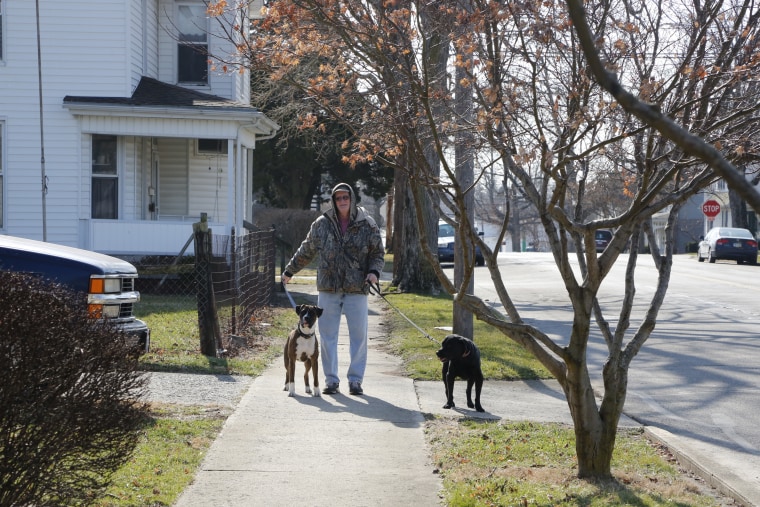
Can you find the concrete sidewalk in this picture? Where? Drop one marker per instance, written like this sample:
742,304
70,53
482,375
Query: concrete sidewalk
337,450
370,450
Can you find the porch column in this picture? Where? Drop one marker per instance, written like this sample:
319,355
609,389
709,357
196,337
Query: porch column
231,192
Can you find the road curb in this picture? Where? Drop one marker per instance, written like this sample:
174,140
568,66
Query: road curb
688,460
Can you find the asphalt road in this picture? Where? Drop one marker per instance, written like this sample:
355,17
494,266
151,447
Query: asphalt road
698,375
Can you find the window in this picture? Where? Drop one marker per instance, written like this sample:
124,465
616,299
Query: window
105,179
192,46
212,146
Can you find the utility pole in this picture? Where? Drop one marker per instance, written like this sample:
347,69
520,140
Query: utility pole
464,161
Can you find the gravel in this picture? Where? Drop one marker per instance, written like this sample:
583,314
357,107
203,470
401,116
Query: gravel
196,389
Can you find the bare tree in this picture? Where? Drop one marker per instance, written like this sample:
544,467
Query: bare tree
542,110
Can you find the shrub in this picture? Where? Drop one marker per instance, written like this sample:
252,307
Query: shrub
290,225
70,396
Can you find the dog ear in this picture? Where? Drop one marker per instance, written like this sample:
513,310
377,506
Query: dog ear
468,347
319,311
298,309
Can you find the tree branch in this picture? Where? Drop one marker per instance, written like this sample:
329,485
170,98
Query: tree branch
651,115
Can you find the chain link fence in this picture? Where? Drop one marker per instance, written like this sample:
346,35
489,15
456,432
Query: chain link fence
243,273
229,280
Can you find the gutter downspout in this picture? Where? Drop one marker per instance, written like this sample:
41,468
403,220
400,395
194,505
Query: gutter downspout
42,131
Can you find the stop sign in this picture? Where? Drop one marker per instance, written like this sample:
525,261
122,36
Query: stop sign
711,208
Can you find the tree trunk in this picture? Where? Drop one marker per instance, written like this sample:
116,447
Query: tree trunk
595,426
738,209
594,435
411,270
389,223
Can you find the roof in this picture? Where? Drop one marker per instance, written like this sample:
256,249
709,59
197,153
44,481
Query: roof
177,108
152,92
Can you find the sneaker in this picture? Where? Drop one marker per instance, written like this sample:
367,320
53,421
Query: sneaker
355,388
331,389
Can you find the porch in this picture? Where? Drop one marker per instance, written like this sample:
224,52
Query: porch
151,164
143,237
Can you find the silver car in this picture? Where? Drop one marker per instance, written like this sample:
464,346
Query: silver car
728,243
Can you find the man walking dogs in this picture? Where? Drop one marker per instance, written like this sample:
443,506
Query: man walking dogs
351,253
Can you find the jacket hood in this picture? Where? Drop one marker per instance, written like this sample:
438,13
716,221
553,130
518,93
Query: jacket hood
344,187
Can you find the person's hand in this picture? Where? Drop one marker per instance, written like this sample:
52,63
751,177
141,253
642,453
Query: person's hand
285,278
372,279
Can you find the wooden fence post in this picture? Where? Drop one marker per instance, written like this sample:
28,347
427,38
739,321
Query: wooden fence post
208,321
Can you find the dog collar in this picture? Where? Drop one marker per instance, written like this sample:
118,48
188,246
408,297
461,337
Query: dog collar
304,333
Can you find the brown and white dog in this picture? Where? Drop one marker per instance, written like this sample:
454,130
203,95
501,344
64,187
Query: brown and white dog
302,345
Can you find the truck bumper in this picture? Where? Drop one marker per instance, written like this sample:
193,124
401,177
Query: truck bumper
138,333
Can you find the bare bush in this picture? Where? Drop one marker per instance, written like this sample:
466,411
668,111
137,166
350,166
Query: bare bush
69,394
290,225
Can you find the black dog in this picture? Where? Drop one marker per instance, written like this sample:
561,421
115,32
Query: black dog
302,345
461,358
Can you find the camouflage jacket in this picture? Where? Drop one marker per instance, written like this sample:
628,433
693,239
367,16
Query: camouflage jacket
344,259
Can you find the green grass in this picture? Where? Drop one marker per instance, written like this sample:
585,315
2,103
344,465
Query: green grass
502,359
175,343
524,463
164,462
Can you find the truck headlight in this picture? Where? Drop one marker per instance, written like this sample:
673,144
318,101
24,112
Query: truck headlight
105,285
104,311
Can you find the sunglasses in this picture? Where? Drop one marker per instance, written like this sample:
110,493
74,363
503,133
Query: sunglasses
339,198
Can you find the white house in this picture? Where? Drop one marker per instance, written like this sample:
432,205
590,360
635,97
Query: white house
140,134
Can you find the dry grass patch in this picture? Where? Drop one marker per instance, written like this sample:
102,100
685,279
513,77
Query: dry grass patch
486,463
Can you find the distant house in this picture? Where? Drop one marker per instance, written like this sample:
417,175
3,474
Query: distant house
141,134
688,228
718,192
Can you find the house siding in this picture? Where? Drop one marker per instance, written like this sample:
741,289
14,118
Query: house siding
209,172
157,126
130,179
142,37
219,83
172,190
93,50
151,37
62,71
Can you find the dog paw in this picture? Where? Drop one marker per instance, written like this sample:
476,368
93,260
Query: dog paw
291,390
308,390
479,408
448,405
470,404
316,392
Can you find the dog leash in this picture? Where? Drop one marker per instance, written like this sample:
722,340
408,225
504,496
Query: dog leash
375,290
290,298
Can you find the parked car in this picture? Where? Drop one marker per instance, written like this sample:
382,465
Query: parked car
107,282
728,243
602,238
446,245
